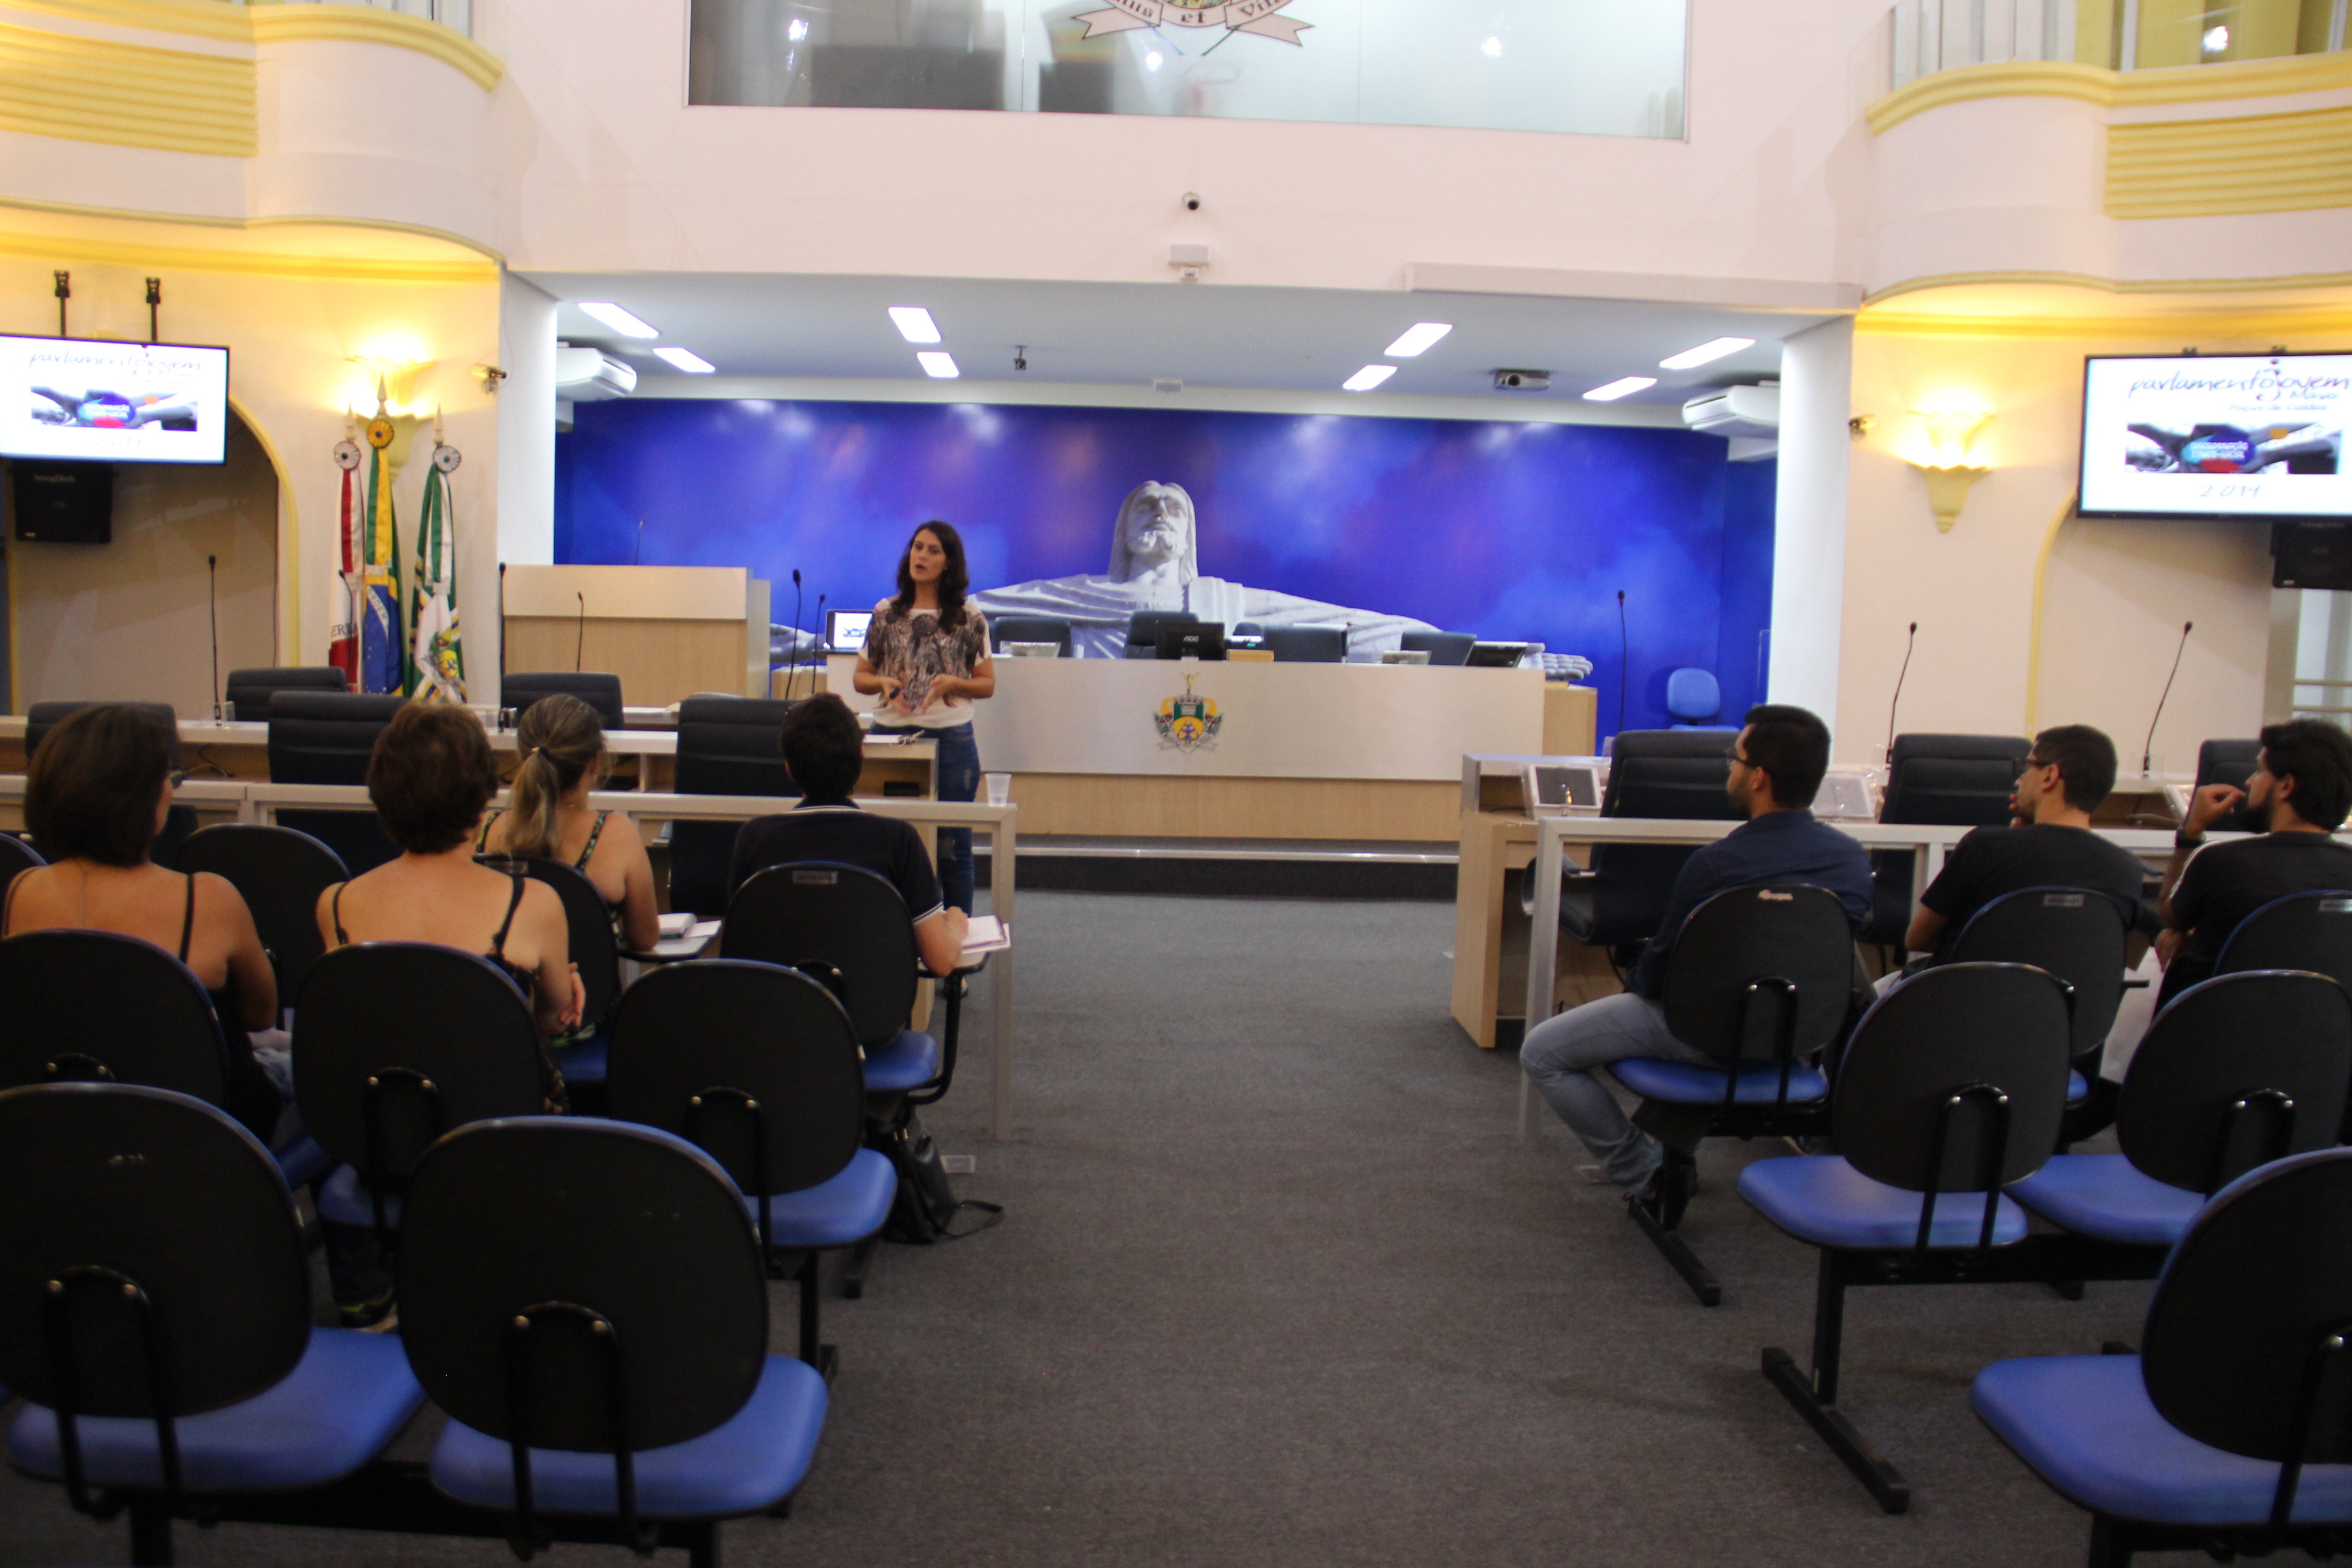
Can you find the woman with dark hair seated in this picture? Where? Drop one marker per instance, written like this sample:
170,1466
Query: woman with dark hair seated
99,787
563,760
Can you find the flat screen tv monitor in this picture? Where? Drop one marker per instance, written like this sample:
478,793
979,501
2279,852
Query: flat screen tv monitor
2257,436
86,401
1191,639
844,630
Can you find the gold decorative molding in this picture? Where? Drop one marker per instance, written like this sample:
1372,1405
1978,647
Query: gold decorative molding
2112,88
57,84
2250,317
2242,163
273,23
256,263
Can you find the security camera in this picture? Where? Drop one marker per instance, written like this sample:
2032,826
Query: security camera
1191,201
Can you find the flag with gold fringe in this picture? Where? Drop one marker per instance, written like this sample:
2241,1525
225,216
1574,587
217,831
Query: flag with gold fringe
436,659
343,610
383,649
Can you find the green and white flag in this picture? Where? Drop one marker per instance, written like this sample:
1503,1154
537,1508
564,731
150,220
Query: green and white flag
437,658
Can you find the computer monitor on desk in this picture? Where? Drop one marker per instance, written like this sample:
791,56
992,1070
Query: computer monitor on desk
1199,639
1563,789
844,630
1495,655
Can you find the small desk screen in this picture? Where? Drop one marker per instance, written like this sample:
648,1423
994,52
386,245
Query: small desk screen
844,630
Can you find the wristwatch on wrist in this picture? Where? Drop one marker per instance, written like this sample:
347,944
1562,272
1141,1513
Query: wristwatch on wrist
2186,841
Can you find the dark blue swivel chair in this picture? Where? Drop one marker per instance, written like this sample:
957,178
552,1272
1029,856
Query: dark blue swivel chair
1053,630
2230,1432
249,691
178,823
519,690
757,1065
1443,648
726,745
2079,935
1962,781
1951,1089
587,1301
1693,697
2228,763
327,738
1143,630
588,920
2302,931
155,1313
1674,774
1308,644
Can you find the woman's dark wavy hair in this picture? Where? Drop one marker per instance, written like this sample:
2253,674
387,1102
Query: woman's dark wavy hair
954,580
94,780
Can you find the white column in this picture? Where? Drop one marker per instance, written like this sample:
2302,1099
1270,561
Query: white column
1809,517
526,459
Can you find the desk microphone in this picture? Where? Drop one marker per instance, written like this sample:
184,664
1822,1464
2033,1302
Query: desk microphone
212,592
816,662
1624,657
793,655
638,555
580,642
1907,644
2148,751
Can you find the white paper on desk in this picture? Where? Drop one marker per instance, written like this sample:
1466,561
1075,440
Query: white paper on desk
703,931
986,934
678,924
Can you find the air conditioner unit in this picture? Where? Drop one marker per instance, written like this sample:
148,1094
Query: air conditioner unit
591,375
1751,411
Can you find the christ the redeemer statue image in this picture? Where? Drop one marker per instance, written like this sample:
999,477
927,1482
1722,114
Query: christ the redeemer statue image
1155,566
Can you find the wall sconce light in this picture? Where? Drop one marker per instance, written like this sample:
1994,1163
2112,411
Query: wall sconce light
1949,473
395,380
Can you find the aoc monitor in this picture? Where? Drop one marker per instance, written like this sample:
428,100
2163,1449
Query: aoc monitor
1191,639
81,400
844,630
2252,436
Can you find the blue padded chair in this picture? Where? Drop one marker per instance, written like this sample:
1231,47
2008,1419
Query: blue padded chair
520,689
587,1301
155,1313
726,745
588,919
1443,648
1308,644
2302,931
1053,630
327,738
279,872
1143,630
1958,781
1675,774
2231,1430
1951,1089
2235,1072
1693,697
2078,934
1759,978
757,1065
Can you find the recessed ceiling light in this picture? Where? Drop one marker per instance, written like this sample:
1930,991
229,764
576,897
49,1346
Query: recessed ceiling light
618,319
1713,348
1492,49
685,359
914,324
939,365
1619,388
1418,339
1370,377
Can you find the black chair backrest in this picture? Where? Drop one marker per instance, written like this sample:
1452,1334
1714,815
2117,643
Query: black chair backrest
2235,1330
96,1004
279,872
103,1184
1962,781
2235,1072
1443,648
43,717
444,1037
519,689
833,921
15,856
2302,931
550,1220
1675,774
726,745
2076,933
1965,1032
752,1063
1760,973
1143,626
1308,644
2228,763
589,920
1030,628
325,737
249,691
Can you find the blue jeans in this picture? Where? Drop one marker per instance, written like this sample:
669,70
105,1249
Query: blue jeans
1560,1054
957,772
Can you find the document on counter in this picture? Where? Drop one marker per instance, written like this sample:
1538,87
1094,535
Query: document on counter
686,940
985,934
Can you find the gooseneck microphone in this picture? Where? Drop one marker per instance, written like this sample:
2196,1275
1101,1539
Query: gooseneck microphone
637,557
1625,658
2148,751
212,592
817,660
580,641
792,655
1909,642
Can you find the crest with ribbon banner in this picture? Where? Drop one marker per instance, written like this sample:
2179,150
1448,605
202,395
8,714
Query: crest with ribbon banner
1187,723
1262,17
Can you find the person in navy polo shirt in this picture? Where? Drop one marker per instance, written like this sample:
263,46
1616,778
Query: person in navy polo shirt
1777,765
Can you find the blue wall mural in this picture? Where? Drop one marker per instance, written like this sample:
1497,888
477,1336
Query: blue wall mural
1509,531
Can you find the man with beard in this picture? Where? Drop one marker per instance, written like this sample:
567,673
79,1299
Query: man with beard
2296,799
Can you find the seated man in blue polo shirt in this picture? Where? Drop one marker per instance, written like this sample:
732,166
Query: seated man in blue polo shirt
1777,765
824,751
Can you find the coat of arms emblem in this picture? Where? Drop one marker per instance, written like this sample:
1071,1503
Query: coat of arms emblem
1262,17
1187,723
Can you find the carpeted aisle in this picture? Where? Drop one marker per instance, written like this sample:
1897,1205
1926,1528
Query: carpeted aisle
1278,1286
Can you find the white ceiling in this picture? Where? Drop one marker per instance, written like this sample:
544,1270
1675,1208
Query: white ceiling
802,328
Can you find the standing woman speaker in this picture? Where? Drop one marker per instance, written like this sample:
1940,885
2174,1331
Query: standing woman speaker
926,656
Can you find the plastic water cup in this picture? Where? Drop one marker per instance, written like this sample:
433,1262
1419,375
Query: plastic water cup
1000,787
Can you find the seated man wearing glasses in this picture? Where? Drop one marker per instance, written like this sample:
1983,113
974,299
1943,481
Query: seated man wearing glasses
1777,765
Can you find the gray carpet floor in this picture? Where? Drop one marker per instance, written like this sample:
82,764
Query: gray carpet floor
1277,1284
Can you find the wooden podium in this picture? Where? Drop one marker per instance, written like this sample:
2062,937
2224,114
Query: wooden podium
667,631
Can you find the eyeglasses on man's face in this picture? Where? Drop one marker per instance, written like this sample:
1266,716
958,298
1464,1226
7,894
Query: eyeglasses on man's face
1731,754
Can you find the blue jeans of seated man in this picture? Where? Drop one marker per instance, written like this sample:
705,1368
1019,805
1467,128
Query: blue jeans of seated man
957,777
1560,1054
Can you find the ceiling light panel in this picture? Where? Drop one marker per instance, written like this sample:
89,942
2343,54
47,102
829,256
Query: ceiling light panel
1622,386
939,364
914,324
685,359
620,321
1418,339
1706,352
1370,377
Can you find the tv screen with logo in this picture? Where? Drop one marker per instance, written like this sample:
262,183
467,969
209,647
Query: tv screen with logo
86,400
2255,436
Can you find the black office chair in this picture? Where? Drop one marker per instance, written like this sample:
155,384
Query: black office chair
757,1065
1760,979
155,1314
326,737
1308,645
2228,763
179,822
1031,628
249,691
726,745
15,857
1960,781
279,872
587,1301
1951,1089
2240,1360
2302,931
2078,934
1443,648
1675,774
519,690
588,919
1143,630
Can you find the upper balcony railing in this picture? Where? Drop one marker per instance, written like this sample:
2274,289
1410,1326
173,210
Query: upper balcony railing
1928,36
453,14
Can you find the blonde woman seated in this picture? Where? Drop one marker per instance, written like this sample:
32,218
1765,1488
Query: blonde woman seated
99,787
564,759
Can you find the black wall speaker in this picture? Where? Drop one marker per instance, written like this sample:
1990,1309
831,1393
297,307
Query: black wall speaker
64,504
